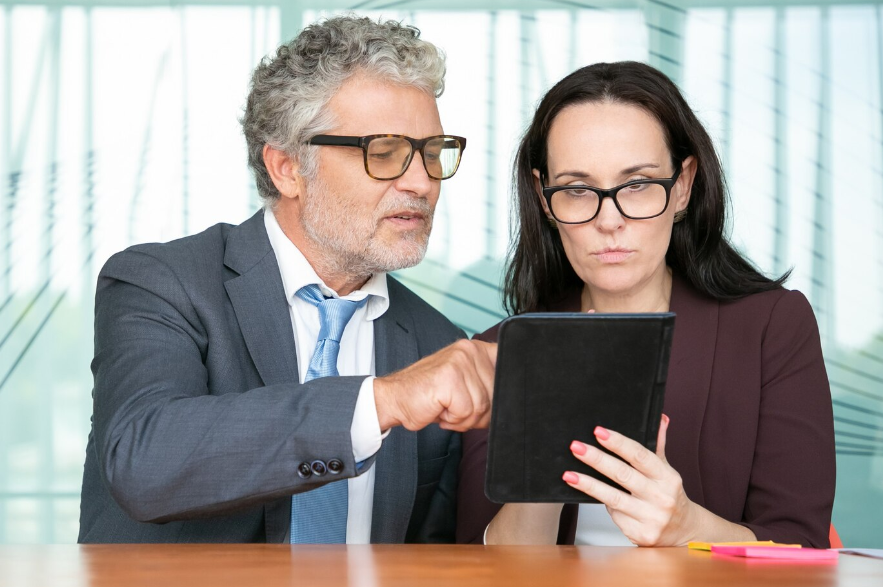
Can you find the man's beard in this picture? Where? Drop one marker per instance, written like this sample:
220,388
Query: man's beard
348,242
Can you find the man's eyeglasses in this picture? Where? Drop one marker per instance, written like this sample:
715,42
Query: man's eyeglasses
638,200
388,156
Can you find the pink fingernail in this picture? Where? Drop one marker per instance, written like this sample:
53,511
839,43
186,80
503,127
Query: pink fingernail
602,433
578,448
571,477
667,419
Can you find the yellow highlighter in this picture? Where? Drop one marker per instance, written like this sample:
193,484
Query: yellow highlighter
707,545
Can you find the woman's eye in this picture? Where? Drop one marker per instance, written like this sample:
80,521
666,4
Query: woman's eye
576,192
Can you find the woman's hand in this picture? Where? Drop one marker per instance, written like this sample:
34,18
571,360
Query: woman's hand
656,511
525,523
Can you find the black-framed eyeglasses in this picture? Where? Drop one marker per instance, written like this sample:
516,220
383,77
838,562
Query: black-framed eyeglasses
640,199
388,156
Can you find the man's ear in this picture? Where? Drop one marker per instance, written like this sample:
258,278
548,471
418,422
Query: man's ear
284,171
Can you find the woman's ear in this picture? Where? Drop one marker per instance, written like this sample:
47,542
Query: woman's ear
538,189
284,171
684,186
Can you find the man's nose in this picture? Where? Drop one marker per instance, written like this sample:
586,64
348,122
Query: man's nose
415,179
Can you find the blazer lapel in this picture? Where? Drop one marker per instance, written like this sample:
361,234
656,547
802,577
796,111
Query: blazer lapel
689,380
395,481
258,299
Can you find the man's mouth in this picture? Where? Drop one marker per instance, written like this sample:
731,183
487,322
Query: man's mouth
406,218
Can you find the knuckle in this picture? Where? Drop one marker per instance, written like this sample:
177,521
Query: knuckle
462,347
642,457
624,474
668,503
678,483
673,487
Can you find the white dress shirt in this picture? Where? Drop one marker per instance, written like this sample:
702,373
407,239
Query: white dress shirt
595,526
356,357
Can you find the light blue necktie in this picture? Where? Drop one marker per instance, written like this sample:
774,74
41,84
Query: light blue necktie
319,516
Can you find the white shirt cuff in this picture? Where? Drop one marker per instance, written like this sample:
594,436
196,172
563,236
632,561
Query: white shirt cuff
365,430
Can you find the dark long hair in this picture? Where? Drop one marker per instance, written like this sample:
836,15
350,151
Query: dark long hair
538,272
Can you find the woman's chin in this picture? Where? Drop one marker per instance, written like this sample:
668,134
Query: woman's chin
613,280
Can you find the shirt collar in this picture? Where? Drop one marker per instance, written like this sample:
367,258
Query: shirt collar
297,272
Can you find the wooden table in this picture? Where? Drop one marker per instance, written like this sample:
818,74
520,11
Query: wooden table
369,566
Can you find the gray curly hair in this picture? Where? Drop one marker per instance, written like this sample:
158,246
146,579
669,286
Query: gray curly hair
289,93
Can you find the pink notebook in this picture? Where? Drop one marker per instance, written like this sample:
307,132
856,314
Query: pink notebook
774,552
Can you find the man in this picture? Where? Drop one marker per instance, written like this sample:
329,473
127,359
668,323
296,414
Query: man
232,398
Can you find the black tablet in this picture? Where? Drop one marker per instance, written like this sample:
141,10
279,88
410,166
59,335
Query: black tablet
557,377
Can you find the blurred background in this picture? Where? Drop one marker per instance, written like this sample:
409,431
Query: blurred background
118,125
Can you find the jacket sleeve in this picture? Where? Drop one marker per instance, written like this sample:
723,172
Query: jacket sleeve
167,449
791,488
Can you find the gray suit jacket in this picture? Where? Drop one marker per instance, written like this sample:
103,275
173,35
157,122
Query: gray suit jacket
199,422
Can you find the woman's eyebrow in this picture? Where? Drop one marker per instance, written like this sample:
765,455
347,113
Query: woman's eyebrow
584,175
635,168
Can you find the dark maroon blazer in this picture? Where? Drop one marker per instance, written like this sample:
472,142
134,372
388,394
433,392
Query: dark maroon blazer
752,427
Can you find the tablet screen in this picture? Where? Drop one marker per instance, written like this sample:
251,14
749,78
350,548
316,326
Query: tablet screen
557,377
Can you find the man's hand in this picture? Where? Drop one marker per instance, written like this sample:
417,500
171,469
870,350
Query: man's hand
452,387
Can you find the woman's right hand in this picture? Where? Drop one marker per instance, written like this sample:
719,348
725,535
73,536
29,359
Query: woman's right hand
525,523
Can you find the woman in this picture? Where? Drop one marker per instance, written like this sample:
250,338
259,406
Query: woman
621,206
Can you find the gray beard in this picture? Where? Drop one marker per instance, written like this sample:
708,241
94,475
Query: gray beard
348,244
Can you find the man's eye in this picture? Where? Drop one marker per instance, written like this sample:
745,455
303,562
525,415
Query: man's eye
381,155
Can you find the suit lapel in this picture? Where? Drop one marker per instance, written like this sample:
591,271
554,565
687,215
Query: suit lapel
258,299
689,380
395,481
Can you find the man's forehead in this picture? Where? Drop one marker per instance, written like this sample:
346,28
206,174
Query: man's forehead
369,105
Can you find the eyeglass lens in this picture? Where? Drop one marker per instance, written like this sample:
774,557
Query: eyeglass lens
389,157
637,201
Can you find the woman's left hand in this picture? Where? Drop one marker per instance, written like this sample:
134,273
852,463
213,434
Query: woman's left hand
656,511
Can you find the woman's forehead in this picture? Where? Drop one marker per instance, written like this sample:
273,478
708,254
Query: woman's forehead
606,136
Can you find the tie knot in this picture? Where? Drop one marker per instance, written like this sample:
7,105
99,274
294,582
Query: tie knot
334,313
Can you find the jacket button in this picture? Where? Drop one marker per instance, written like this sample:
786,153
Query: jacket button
304,471
335,466
318,468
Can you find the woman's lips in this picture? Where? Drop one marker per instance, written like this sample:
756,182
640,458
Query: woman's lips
613,255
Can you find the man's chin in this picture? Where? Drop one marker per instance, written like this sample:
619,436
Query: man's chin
401,255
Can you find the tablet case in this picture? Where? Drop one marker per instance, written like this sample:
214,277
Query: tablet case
557,377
